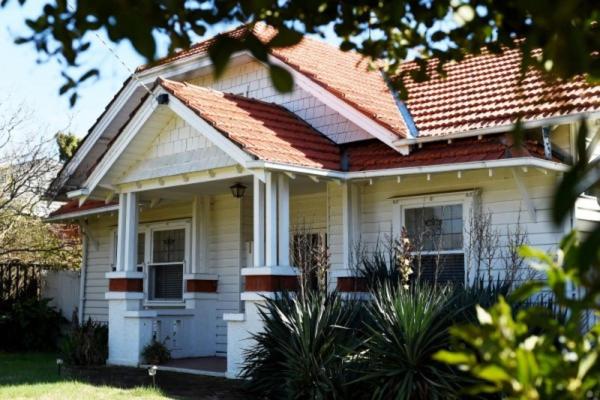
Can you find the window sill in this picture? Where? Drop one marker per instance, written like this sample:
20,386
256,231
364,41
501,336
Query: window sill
164,304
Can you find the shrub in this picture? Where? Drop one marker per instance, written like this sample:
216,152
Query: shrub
30,324
86,344
306,348
156,353
405,328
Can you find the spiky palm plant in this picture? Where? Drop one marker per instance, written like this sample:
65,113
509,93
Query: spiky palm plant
305,348
405,328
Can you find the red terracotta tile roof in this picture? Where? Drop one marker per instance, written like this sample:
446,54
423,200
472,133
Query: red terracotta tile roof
375,155
345,74
73,206
265,130
484,92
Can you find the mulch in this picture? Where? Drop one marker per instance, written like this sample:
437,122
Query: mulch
175,385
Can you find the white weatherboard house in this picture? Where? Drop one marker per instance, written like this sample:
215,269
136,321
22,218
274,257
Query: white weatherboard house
189,190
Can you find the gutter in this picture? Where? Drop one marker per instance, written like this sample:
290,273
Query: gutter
325,173
83,213
539,123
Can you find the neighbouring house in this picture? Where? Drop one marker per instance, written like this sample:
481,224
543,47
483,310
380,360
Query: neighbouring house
189,190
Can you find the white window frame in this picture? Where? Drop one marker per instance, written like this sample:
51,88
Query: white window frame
464,198
148,229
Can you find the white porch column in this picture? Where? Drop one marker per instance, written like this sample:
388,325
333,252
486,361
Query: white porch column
131,232
271,219
126,336
344,279
259,222
283,221
200,218
201,288
350,221
266,279
121,232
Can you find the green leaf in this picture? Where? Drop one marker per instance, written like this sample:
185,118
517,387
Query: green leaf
454,357
526,290
285,37
88,75
587,362
220,52
282,79
492,373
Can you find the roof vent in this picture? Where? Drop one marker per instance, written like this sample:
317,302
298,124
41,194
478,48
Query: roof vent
162,98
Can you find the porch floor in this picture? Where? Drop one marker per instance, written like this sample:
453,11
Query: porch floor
210,366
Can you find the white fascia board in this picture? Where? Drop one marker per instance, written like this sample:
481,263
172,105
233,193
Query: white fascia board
96,133
83,213
511,162
325,173
273,166
78,193
121,143
216,137
538,123
346,110
179,180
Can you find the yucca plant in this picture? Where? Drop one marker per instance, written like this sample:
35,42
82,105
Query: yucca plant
405,327
305,349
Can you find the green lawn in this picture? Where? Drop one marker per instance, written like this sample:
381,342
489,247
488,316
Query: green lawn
35,376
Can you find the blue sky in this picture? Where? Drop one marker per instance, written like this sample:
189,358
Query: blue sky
36,85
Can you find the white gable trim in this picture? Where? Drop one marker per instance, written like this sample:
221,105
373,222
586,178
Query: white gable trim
137,122
136,82
121,143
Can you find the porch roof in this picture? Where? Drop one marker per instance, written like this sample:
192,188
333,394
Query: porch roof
267,131
374,155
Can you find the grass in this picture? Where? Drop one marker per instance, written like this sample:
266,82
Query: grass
35,376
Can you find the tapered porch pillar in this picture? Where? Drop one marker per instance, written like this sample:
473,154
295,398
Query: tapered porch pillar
201,287
344,279
271,216
126,336
271,273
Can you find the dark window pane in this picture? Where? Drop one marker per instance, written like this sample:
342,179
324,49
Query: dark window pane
168,246
141,248
435,228
167,282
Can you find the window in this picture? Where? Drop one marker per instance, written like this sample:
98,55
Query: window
436,226
165,271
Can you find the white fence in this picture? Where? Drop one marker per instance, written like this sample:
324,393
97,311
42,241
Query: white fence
63,288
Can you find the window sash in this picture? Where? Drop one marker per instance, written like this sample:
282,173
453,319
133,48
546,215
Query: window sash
169,286
450,234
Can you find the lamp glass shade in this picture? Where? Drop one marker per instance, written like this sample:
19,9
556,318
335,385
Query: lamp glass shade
238,190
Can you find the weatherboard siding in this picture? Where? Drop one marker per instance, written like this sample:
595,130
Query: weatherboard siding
225,256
